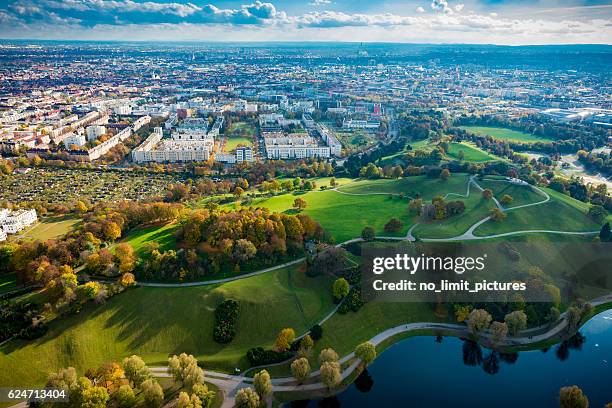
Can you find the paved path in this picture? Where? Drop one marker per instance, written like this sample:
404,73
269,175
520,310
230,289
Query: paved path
230,384
468,235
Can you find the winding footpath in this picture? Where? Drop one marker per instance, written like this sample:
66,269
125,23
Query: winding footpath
230,384
468,235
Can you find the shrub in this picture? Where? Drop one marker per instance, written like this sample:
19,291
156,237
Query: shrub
226,316
352,302
316,332
258,356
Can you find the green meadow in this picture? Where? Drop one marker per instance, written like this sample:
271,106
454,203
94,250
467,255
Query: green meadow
239,134
158,322
471,153
505,134
561,213
342,215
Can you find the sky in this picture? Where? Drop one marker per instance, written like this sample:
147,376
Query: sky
515,22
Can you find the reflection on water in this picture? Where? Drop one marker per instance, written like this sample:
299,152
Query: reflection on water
428,372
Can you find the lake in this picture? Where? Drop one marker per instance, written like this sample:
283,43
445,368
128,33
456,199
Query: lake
421,372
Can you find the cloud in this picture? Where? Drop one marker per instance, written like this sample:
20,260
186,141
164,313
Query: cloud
441,6
328,19
95,12
319,2
263,20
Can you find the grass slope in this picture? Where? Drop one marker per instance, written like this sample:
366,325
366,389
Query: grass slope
422,186
158,322
561,213
476,209
520,194
50,228
163,235
343,216
471,153
505,134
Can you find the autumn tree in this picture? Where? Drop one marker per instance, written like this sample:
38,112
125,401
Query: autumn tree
262,384
516,321
300,204
300,369
152,392
445,174
507,199
124,397
328,354
487,194
340,288
499,331
572,397
136,371
284,339
111,231
127,280
185,401
366,352
184,369
246,398
497,214
330,374
478,320
415,206
393,225
126,259
244,250
368,234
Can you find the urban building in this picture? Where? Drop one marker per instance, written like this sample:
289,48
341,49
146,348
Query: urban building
15,221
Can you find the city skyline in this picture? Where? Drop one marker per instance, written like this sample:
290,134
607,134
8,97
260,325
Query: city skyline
437,21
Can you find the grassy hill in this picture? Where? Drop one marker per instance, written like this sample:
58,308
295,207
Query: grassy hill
505,134
471,153
158,322
561,213
343,216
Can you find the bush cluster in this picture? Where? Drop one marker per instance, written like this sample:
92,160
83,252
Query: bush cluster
226,316
258,356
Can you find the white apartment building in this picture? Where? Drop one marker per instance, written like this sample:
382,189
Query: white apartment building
244,154
360,124
74,139
154,149
123,110
297,146
94,132
15,221
2,235
330,139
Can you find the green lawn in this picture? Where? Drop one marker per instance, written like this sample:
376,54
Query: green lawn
236,141
470,151
520,194
505,134
427,188
343,216
157,322
50,228
476,209
163,235
239,134
561,213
